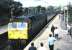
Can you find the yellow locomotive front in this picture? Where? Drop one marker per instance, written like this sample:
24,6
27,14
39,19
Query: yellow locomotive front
18,29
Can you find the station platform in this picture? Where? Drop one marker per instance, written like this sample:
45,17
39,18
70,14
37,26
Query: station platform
65,43
3,29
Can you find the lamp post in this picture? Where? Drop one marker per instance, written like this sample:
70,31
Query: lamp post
62,18
66,16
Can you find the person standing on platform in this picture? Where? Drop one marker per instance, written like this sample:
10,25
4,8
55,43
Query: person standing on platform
56,32
52,30
32,47
51,41
42,47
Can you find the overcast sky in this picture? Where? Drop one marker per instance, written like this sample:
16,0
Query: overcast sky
45,3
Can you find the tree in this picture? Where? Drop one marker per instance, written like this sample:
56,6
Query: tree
18,10
38,9
26,11
5,10
4,7
50,10
43,10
